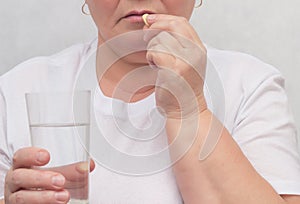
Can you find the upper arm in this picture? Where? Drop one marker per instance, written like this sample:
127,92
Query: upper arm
267,135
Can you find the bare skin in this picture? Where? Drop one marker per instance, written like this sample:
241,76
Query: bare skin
217,179
27,185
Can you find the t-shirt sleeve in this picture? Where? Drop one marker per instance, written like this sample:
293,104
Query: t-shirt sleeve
5,162
266,133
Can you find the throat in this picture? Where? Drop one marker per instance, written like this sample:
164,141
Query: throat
127,81
128,94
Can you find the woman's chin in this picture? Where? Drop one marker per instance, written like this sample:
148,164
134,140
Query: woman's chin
137,58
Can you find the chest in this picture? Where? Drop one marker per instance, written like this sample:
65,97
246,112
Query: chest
113,188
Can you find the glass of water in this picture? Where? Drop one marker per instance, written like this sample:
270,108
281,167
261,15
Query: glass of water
59,122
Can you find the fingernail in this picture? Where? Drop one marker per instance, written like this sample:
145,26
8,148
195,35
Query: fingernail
41,156
151,18
61,196
58,180
83,167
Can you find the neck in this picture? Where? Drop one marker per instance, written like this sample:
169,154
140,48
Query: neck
129,78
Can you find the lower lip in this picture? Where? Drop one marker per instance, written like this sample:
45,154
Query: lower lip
134,19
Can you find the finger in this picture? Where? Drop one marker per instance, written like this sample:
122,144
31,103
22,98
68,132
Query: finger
92,165
152,18
76,175
30,156
162,49
166,43
31,178
169,21
173,24
160,57
39,197
184,34
83,167
165,39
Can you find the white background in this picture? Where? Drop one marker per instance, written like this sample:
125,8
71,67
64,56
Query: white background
267,29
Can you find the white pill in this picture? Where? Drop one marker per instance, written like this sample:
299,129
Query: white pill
145,19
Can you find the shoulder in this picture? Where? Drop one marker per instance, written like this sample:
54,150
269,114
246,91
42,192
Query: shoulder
68,58
46,70
241,69
45,73
246,83
239,62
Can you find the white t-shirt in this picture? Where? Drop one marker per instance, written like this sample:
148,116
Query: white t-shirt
251,102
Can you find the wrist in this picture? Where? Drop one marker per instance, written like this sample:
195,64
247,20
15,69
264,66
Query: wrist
186,137
187,111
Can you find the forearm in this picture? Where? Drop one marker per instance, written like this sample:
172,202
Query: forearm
1,201
226,176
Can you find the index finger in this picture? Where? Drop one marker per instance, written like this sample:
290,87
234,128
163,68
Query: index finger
149,19
175,25
30,156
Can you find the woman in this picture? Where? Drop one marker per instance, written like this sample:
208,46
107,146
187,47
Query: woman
257,138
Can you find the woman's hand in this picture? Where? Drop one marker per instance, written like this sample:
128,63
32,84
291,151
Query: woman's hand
175,48
23,184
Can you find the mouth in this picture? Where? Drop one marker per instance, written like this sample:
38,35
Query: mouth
136,16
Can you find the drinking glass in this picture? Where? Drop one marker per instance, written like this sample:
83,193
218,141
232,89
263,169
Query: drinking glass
59,122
